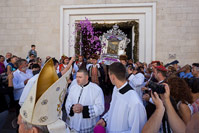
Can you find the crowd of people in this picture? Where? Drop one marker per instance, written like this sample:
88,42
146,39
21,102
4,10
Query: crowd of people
153,97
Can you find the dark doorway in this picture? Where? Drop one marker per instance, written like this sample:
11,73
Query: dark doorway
126,27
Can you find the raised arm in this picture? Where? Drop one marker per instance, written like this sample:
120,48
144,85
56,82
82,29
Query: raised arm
68,66
175,122
153,124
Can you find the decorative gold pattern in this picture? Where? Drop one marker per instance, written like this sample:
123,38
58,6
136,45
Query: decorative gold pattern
58,88
25,114
61,99
31,98
43,119
44,102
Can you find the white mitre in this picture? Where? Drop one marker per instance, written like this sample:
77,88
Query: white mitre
44,102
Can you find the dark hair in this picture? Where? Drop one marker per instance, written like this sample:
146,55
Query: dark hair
36,66
139,69
158,63
33,45
84,70
1,56
13,57
64,59
193,83
164,73
195,64
180,90
38,59
55,61
118,70
8,60
31,61
149,70
47,60
31,54
131,67
20,61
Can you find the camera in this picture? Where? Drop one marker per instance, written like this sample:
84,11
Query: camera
159,88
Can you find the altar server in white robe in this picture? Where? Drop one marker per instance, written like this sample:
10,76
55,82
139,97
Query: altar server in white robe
126,113
85,103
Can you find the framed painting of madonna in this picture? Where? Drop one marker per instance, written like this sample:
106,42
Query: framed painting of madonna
114,43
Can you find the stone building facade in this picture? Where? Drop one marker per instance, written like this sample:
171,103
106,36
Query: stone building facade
26,22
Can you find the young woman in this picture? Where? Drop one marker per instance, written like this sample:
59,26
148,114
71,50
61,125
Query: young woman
182,96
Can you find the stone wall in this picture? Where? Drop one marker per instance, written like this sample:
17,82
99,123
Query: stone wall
26,22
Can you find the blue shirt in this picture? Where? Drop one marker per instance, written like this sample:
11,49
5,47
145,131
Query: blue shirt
186,75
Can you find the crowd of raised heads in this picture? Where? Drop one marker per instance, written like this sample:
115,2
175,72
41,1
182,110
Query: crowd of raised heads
169,92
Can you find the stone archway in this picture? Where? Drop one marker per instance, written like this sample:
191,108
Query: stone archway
144,13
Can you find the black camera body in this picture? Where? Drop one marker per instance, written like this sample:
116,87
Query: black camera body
159,88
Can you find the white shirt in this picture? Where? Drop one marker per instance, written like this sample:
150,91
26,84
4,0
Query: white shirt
27,89
74,82
126,114
5,63
91,96
137,82
18,82
76,68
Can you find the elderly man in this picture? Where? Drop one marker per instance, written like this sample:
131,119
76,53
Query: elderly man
20,79
85,103
126,113
8,55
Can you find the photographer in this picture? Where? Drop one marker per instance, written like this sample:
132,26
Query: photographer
154,123
176,123
160,74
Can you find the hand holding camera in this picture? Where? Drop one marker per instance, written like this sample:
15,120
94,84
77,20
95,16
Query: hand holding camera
159,88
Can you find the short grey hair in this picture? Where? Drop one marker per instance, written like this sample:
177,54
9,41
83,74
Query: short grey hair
19,62
42,128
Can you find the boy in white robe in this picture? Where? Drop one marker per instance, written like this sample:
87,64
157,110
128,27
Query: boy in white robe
85,103
126,113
